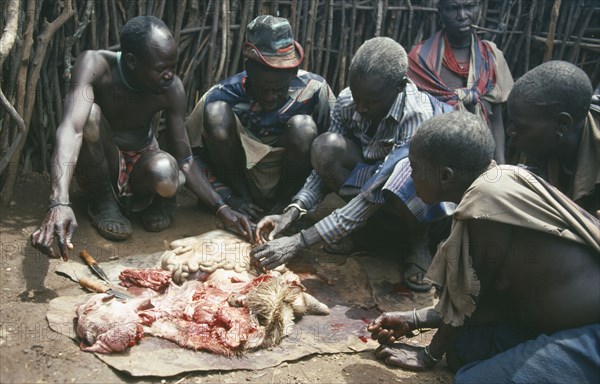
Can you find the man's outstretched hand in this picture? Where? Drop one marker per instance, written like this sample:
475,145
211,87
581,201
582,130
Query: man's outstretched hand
274,253
271,226
237,222
59,222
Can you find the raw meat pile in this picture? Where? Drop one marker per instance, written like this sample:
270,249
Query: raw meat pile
154,278
223,311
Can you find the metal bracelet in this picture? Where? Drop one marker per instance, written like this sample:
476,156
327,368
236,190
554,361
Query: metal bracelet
298,207
303,237
221,208
416,321
54,205
216,206
428,354
186,160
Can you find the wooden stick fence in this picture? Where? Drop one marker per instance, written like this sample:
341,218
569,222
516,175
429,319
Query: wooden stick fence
41,39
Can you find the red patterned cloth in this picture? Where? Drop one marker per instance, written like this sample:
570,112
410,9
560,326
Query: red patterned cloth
425,62
127,160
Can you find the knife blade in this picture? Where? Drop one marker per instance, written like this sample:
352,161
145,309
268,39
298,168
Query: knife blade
96,286
89,260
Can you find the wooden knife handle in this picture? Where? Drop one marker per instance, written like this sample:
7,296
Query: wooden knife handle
85,255
93,285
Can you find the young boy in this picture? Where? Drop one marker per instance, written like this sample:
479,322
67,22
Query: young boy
518,277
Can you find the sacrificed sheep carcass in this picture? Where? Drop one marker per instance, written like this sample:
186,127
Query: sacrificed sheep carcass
222,257
107,325
223,304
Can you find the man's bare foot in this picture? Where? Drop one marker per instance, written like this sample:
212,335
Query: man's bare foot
404,356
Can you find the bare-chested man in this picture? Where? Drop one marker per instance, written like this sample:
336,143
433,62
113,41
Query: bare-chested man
106,131
518,277
460,69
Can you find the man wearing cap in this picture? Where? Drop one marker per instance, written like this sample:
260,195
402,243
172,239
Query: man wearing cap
256,127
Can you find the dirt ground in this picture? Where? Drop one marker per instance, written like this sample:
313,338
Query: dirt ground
32,353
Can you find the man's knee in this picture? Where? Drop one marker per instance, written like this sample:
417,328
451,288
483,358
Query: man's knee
91,129
219,121
301,132
326,148
163,171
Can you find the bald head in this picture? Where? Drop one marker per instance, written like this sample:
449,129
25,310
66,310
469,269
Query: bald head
557,86
139,31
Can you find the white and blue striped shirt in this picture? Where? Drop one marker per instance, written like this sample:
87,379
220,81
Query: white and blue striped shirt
408,111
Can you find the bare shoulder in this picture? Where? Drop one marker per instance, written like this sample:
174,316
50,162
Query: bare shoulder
175,95
94,64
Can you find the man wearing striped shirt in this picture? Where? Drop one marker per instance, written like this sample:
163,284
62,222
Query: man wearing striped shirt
363,154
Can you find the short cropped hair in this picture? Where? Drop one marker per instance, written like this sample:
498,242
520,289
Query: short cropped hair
136,33
381,57
457,139
559,85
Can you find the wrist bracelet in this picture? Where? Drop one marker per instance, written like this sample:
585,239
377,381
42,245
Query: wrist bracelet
415,318
298,207
303,237
216,206
428,354
221,208
54,205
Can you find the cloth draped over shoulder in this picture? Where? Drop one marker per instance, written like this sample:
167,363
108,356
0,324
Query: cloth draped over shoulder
489,77
509,195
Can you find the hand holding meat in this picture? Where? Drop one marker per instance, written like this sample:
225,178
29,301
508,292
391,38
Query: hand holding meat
277,252
59,222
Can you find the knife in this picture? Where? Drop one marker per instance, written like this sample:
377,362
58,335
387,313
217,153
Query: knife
96,286
89,260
